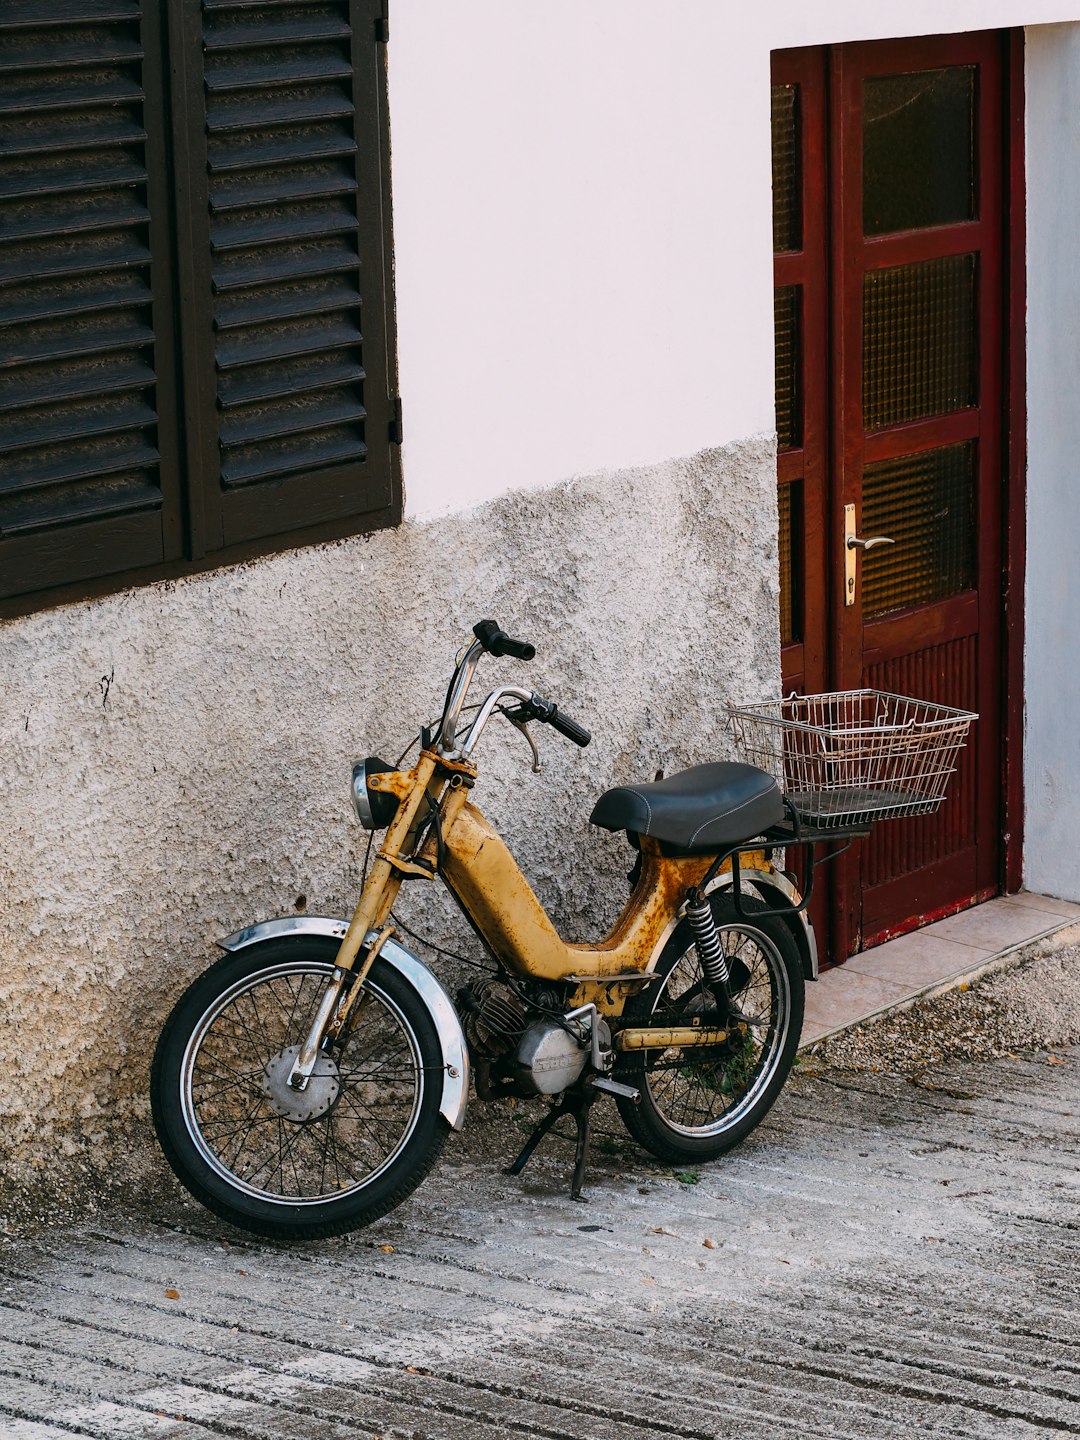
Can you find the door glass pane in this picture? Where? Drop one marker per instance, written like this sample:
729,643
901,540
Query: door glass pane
926,503
919,340
787,211
788,366
918,149
789,500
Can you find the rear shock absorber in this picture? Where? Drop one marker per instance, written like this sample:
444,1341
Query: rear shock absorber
707,941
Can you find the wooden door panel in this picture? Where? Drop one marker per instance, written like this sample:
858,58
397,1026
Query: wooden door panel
908,430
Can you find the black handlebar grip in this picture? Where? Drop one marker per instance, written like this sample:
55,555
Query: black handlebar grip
520,649
496,641
570,728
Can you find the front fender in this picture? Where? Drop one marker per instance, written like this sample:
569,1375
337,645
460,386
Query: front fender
430,991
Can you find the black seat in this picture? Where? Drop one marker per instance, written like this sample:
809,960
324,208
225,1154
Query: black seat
707,807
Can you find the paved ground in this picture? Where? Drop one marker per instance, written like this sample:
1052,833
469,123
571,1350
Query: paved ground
885,1256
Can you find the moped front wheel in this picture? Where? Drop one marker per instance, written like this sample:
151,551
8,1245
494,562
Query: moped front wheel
297,1164
698,1102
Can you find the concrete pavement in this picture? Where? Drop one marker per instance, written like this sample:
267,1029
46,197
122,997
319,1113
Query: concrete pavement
883,1257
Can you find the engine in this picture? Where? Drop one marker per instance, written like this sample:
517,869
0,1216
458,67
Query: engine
516,1050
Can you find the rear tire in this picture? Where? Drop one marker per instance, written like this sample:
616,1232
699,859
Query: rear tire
297,1165
698,1103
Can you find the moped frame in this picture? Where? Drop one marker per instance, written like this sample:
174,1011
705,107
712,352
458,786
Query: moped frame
487,883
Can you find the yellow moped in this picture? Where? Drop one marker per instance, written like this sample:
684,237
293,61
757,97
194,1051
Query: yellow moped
306,1083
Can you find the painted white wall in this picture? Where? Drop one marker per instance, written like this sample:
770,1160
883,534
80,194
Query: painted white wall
582,215
1052,674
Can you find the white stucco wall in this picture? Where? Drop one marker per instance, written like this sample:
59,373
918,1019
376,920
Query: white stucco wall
582,212
1052,671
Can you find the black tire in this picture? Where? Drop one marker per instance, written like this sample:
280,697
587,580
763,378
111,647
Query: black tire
217,1091
698,1103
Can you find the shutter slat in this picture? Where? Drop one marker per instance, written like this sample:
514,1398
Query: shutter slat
95,334
214,7
74,49
272,71
73,421
95,254
317,297
243,111
237,33
72,296
74,381
83,460
292,262
247,464
41,134
258,344
280,186
283,223
69,174
19,14
101,89
308,412
70,505
271,147
89,212
317,372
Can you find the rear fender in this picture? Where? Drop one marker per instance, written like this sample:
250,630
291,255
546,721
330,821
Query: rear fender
429,990
774,887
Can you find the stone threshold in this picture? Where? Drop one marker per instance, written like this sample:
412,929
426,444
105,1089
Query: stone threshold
929,961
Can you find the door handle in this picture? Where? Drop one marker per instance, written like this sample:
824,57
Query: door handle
852,545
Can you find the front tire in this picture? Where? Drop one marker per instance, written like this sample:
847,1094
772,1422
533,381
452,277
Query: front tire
697,1103
297,1165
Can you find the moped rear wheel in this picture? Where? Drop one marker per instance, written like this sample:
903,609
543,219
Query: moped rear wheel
696,1103
297,1164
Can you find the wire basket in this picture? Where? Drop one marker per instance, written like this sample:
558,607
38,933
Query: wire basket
852,756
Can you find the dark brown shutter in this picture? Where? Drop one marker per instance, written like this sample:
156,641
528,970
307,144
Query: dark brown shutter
83,488
284,311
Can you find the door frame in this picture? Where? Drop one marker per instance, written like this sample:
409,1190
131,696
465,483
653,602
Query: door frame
814,652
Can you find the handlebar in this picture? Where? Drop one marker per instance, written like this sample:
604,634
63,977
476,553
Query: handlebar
548,713
496,641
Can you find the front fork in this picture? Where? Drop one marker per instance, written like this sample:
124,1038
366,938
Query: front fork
368,930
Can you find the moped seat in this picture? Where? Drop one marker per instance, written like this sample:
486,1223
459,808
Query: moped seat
707,807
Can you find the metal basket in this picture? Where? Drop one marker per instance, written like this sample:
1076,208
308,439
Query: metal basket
852,756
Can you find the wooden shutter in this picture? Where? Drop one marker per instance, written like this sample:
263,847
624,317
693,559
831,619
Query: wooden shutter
84,490
284,313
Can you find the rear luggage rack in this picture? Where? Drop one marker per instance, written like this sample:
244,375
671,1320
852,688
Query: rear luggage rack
850,757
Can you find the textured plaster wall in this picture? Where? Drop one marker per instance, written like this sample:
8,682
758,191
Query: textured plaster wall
176,759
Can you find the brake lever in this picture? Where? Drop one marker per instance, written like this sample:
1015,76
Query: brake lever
515,718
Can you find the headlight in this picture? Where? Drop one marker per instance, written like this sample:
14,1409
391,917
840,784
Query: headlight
374,808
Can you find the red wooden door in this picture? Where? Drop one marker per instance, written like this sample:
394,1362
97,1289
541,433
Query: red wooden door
889,280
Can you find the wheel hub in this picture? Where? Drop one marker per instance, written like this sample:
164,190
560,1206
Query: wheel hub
317,1097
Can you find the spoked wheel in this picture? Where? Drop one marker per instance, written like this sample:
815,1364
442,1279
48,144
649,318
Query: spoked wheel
288,1163
698,1102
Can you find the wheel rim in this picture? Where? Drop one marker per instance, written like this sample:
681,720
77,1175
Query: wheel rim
229,1080
702,1092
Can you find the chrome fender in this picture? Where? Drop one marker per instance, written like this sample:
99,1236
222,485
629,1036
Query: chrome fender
430,991
774,887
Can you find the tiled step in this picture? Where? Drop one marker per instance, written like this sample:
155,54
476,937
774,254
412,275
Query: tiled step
936,958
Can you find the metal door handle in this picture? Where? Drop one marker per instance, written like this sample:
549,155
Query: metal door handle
853,543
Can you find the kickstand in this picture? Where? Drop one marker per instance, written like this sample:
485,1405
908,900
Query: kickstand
580,1107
